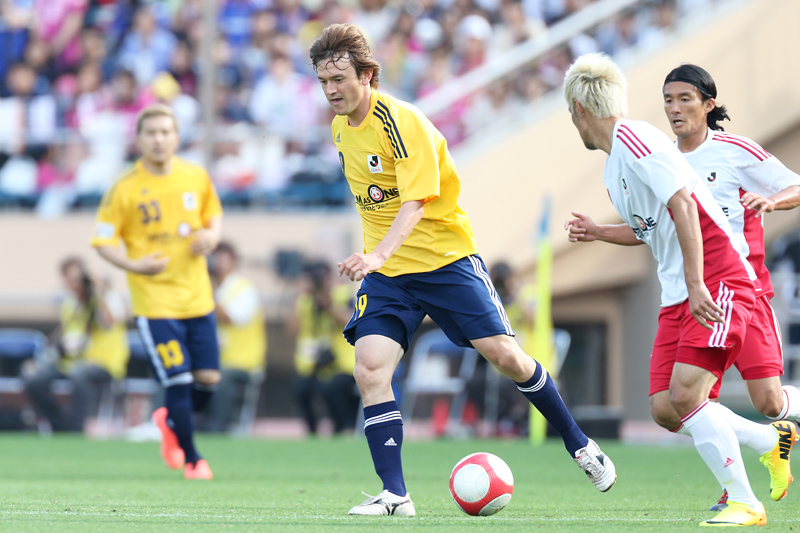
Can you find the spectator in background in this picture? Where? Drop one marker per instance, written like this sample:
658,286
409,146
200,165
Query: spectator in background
242,337
127,101
147,49
92,346
58,23
167,91
182,68
27,125
324,361
285,101
16,18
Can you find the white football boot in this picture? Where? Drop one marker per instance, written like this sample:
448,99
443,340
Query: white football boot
385,504
597,466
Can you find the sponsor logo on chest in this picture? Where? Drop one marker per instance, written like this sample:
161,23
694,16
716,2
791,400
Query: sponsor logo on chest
643,225
376,198
374,164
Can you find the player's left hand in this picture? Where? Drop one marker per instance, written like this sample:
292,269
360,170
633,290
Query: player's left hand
703,307
751,200
203,242
357,266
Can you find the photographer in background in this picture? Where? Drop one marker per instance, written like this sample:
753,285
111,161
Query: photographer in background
324,361
92,349
242,338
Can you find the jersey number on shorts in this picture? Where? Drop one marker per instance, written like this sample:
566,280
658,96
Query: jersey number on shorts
171,353
150,212
361,305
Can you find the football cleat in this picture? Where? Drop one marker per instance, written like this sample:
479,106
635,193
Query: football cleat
385,504
171,451
198,470
739,514
777,460
597,466
721,504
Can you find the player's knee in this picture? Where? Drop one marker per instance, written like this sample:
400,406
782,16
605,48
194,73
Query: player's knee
206,377
665,416
684,400
769,405
369,374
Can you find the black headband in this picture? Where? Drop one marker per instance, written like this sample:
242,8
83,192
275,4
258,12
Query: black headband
692,82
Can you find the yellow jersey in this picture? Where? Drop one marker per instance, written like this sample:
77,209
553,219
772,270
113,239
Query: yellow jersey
158,213
318,331
243,342
104,347
394,156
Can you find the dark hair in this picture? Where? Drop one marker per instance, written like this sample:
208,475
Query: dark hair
340,41
704,83
226,248
71,261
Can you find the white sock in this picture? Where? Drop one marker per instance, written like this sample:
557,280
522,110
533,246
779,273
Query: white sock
716,443
791,404
759,437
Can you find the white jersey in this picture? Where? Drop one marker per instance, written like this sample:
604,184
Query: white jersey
643,172
731,165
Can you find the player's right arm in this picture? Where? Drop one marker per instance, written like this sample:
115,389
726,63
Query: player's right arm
583,229
148,265
690,237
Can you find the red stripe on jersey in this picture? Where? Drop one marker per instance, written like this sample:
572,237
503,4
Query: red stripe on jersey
745,141
720,258
754,235
631,148
740,145
639,142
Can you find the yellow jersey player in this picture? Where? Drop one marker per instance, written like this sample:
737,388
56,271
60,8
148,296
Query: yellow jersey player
167,214
419,257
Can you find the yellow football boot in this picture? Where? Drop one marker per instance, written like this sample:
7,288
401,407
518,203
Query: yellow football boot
777,460
739,514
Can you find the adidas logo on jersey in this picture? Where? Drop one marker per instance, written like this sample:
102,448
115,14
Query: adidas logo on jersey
390,442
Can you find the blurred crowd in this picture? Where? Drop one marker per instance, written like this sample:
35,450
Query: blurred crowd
74,74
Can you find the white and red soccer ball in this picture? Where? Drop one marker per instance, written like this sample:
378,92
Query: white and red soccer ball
481,484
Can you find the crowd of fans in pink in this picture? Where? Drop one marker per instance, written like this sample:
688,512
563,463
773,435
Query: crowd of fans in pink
74,74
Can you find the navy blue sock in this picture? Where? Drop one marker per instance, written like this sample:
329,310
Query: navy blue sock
383,428
542,393
201,395
178,401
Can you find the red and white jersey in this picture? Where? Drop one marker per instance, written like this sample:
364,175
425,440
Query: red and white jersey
731,165
643,172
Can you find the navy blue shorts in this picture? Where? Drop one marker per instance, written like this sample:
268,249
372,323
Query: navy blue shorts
459,297
178,346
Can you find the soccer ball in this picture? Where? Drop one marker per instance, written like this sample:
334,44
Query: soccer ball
481,484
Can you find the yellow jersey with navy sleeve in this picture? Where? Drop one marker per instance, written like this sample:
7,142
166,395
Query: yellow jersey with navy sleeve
394,156
153,213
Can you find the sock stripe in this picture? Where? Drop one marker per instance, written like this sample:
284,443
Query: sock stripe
694,412
536,386
386,417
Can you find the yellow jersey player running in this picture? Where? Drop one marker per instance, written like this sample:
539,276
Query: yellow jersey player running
167,213
419,258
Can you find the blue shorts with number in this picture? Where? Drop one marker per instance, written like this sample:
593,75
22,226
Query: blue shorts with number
459,297
178,346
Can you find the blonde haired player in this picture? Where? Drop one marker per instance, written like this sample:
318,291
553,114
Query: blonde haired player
707,285
167,214
419,257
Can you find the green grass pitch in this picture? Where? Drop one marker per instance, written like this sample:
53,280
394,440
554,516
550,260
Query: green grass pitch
74,484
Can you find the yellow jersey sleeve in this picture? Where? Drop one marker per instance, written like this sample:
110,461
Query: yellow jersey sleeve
211,204
418,166
110,218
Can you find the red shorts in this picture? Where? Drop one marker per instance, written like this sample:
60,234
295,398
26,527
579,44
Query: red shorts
681,339
761,355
